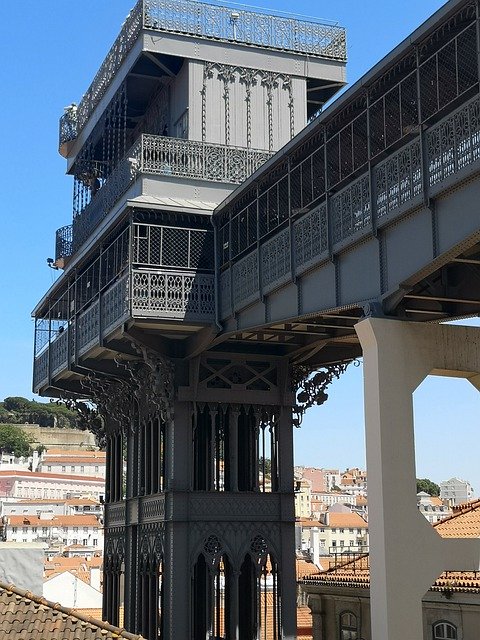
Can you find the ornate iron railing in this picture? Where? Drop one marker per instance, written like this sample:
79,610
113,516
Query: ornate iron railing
59,352
205,21
396,184
198,160
159,155
170,294
40,369
63,242
68,126
246,26
115,306
145,293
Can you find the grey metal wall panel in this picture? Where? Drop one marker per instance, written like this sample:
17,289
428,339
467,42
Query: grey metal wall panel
179,97
318,289
408,247
284,302
359,273
458,215
252,316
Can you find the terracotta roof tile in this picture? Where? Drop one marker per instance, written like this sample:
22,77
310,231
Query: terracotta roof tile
464,523
348,520
29,617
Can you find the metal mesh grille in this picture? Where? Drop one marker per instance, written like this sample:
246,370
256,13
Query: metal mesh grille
172,247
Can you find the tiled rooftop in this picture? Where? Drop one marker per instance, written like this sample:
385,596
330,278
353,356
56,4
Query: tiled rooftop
24,616
464,523
348,520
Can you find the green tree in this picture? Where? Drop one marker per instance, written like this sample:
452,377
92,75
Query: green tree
13,440
424,484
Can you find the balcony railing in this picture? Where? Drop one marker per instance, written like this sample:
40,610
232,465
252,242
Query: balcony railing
145,293
159,155
63,242
211,22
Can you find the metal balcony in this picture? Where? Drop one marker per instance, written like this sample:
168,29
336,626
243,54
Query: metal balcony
174,157
144,293
207,21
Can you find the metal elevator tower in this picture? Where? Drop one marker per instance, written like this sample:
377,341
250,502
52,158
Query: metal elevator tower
191,99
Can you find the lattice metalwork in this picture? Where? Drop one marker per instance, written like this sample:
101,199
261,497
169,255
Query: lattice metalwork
115,304
454,143
239,25
172,295
63,242
68,129
245,278
276,262
198,160
383,117
351,209
40,369
101,204
157,245
398,179
88,328
449,72
310,237
59,353
115,57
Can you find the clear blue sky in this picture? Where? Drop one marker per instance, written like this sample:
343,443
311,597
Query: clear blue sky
51,50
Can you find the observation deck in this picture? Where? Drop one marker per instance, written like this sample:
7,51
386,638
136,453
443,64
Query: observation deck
167,129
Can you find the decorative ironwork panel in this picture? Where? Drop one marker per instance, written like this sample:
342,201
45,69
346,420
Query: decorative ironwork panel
276,32
88,328
449,72
173,295
63,242
398,179
310,237
225,294
454,143
101,204
198,160
115,514
245,278
59,353
152,508
115,306
40,369
157,245
68,125
275,255
235,506
350,209
115,57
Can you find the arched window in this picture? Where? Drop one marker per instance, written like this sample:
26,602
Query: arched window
348,626
444,631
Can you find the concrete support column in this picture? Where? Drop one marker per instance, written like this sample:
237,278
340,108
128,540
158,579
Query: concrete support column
406,553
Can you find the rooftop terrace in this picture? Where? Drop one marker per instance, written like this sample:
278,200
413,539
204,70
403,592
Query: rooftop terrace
206,21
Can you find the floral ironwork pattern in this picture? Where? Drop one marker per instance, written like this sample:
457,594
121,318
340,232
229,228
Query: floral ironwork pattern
311,386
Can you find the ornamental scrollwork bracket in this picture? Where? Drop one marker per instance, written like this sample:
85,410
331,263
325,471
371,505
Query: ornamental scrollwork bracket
311,384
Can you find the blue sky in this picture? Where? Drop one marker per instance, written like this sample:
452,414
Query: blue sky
51,51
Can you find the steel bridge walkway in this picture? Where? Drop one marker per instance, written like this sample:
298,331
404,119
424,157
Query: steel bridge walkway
372,210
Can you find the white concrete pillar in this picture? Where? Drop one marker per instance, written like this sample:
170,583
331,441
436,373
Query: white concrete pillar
406,553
